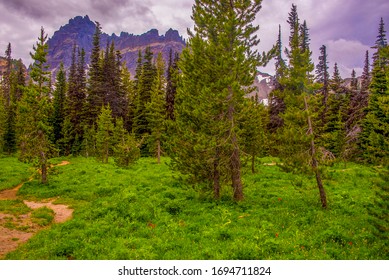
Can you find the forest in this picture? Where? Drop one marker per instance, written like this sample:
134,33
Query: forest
177,163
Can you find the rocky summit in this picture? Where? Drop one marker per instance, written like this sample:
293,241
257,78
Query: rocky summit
79,31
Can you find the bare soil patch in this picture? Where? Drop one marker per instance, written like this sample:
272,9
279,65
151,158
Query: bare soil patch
17,229
10,239
11,193
62,212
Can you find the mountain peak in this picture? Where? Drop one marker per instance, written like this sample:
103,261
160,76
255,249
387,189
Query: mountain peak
81,21
153,32
80,29
78,24
172,35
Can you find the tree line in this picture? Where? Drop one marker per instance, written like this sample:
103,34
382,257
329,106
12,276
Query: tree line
193,109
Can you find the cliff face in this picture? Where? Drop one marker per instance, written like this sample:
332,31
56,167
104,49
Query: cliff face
79,31
14,65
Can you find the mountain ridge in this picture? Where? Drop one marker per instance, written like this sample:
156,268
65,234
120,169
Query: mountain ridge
79,31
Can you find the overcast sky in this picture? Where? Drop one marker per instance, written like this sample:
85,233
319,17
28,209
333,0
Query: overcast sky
347,27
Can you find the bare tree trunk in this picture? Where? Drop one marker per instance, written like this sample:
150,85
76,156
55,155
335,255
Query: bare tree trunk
44,173
158,151
43,168
323,197
315,165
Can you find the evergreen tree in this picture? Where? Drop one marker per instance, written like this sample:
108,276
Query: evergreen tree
374,139
336,81
34,110
357,111
144,89
95,98
171,84
126,150
7,136
294,25
254,138
276,102
89,148
81,74
354,81
6,81
322,77
111,82
297,135
104,134
380,43
156,112
138,71
375,132
304,37
16,88
334,128
72,129
59,103
366,78
19,81
39,71
130,97
218,68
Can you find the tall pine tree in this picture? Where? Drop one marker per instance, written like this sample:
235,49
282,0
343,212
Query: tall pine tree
334,128
218,68
104,134
156,113
95,98
16,90
59,104
298,148
322,77
75,104
34,111
374,141
276,98
143,93
39,71
8,137
6,77
171,84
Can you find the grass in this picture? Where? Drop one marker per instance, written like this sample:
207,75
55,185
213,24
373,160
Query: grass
42,216
146,212
13,207
12,172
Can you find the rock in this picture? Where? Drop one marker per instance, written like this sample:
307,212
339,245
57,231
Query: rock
79,31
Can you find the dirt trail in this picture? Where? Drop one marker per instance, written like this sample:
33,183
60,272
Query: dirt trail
62,212
10,194
10,239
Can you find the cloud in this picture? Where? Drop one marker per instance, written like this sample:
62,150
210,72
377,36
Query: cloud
22,19
348,54
330,22
347,27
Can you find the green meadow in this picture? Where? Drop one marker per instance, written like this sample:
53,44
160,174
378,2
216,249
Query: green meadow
12,172
147,212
